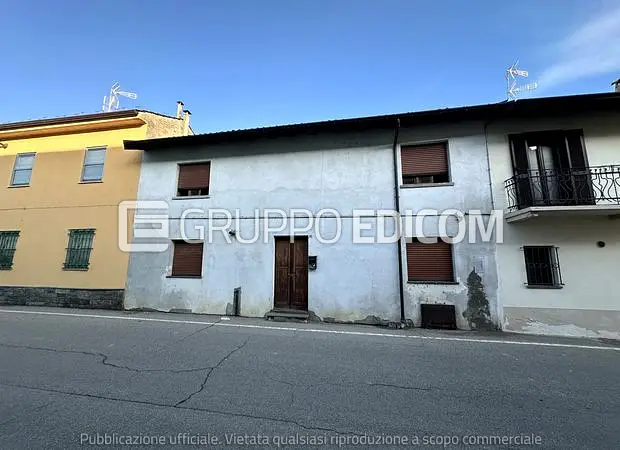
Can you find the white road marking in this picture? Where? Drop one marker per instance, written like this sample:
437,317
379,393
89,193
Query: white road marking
315,330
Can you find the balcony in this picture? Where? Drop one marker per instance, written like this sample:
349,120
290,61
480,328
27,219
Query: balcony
556,192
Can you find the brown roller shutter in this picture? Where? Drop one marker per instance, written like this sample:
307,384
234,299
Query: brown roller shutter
427,159
429,262
194,176
187,259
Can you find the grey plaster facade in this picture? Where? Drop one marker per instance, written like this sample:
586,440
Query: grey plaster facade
468,190
344,172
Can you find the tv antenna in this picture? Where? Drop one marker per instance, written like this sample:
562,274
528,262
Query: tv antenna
512,90
110,101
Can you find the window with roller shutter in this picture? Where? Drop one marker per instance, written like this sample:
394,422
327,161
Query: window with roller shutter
187,259
429,262
425,163
193,179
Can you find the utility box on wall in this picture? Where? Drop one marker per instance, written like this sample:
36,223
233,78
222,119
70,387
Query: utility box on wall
312,262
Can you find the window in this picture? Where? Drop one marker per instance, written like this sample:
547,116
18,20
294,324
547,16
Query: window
93,164
429,262
550,169
194,179
78,250
187,259
425,164
542,266
22,172
8,242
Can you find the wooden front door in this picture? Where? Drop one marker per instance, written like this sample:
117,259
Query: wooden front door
291,273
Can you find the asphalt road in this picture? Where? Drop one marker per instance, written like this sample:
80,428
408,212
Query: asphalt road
167,380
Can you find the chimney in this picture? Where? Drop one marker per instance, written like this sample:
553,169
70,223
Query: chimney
186,122
179,109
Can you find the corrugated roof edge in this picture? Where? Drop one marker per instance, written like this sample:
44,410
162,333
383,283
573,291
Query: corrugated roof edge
79,118
560,105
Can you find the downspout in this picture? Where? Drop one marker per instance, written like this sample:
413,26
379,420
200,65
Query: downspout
499,305
486,148
398,223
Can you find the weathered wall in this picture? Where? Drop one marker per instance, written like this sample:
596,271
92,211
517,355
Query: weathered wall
467,191
62,297
589,273
158,125
589,302
316,172
352,281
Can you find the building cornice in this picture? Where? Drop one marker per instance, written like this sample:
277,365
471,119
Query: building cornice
69,127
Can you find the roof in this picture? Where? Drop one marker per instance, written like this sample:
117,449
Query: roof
487,112
121,114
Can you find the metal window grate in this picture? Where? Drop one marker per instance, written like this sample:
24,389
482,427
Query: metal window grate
542,266
79,248
8,243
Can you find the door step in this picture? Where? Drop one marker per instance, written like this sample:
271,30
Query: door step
283,315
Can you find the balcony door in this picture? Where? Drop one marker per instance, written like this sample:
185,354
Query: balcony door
542,170
551,169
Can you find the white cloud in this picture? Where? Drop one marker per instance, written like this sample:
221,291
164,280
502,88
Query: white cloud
592,49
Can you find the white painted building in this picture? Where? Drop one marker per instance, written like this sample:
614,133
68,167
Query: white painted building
560,259
454,159
346,171
248,178
466,189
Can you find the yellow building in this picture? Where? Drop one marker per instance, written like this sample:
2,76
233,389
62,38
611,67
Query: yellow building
63,181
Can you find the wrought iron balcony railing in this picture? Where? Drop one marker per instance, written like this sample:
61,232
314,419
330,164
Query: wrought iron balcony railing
599,185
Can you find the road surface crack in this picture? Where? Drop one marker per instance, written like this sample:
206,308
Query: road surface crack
397,386
36,409
104,359
212,369
352,383
288,383
173,343
188,408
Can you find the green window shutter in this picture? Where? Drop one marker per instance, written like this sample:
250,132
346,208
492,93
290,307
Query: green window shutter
79,248
8,243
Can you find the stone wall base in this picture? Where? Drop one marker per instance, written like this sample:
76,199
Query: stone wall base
62,297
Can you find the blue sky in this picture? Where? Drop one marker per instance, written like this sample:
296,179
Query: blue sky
246,63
